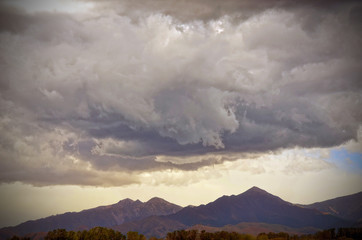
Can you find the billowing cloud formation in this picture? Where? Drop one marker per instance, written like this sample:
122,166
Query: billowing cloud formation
133,86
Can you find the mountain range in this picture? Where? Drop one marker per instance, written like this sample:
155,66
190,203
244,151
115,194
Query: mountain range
104,216
252,211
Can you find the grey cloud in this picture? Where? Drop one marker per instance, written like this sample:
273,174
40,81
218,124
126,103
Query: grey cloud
114,89
207,10
46,177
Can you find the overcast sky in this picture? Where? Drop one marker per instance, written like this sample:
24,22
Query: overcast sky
185,100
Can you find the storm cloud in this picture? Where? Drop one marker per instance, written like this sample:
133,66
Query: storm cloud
129,87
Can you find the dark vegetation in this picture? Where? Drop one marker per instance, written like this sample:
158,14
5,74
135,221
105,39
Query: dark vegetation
101,233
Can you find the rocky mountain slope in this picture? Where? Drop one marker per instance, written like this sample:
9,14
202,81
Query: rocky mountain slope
255,205
347,207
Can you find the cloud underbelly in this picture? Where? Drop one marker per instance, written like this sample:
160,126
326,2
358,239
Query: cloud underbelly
115,89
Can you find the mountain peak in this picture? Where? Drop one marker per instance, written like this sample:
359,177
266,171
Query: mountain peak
125,201
156,200
256,189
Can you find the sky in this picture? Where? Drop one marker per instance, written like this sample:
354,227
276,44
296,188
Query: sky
102,100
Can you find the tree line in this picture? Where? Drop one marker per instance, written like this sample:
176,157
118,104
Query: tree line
101,233
329,234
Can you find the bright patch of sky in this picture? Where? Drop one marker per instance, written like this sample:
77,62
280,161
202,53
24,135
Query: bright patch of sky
351,161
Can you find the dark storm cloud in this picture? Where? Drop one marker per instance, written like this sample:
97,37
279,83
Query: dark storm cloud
207,10
142,86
